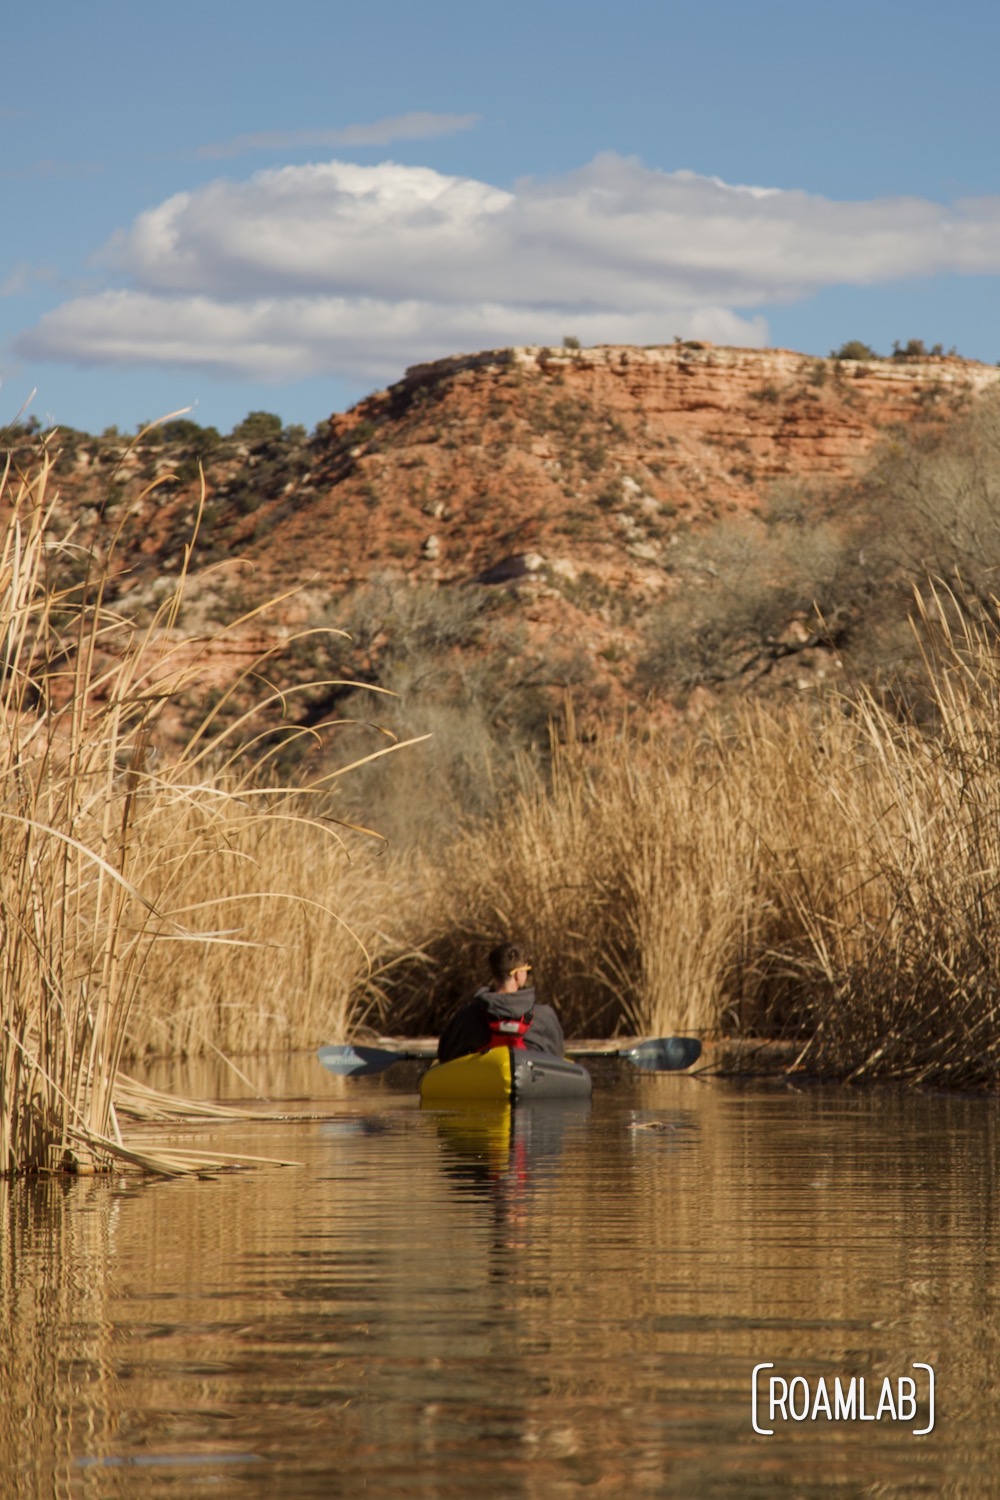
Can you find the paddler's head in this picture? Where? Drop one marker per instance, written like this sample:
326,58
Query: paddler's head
510,967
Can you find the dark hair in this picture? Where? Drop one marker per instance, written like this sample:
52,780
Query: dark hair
505,959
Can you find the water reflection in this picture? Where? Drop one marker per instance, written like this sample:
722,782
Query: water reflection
562,1300
491,1148
494,1154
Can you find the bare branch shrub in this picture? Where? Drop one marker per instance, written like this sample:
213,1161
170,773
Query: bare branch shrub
740,586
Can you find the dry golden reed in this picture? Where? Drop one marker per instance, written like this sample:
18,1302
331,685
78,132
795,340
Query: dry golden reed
142,906
301,932
829,875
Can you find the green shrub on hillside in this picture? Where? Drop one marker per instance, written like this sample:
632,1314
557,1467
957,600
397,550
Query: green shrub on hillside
854,349
915,349
258,428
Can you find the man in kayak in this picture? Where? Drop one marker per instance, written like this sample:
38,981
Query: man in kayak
503,1013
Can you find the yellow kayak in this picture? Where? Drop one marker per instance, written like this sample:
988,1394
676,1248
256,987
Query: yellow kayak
504,1074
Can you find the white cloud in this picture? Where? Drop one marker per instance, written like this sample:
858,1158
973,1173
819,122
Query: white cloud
418,125
363,337
352,271
23,278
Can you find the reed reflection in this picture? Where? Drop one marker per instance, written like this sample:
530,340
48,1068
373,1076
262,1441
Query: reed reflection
474,1300
57,1240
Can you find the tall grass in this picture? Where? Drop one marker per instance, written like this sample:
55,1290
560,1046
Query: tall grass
119,874
830,875
827,874
312,927
634,874
916,994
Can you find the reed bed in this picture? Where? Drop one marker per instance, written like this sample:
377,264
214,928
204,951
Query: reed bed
140,905
829,875
297,931
636,873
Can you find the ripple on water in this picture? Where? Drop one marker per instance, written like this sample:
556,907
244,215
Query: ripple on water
558,1301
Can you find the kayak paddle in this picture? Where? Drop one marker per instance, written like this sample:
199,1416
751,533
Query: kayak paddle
358,1062
662,1055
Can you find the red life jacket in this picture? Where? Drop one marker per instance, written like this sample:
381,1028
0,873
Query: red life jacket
508,1032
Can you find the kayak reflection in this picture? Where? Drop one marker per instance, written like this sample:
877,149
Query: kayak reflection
493,1150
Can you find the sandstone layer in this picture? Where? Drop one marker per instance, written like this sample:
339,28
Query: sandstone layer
565,477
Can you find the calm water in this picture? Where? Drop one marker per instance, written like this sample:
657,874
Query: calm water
571,1302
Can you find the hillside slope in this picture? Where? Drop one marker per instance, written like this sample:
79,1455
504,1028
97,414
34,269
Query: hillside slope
551,497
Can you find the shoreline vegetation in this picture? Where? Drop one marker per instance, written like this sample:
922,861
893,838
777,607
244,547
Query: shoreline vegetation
143,906
822,873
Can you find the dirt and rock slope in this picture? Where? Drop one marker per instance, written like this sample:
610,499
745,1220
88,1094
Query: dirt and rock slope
539,506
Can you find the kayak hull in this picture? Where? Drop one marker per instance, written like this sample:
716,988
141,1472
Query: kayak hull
505,1075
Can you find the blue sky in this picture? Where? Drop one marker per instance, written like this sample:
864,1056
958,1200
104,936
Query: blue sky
236,207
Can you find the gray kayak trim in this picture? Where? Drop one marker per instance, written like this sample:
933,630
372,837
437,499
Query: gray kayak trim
541,1077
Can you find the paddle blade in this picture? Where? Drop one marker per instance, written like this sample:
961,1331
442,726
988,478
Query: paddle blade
665,1055
357,1062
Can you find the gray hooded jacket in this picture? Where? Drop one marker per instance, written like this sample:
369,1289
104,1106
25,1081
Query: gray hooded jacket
469,1029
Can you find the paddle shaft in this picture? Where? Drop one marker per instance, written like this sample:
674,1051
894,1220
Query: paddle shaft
662,1054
